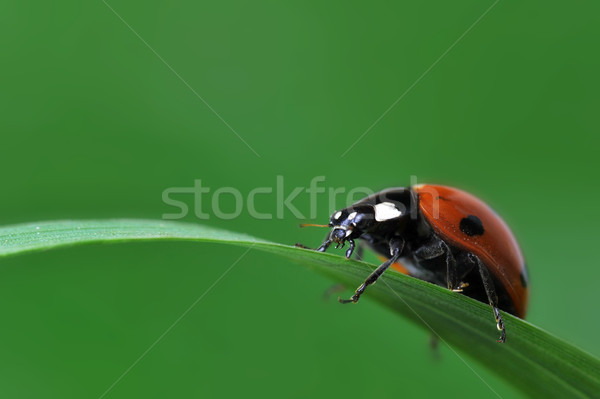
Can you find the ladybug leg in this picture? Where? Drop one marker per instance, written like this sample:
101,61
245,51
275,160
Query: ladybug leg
351,249
431,250
451,280
322,248
325,245
464,267
492,296
396,246
436,248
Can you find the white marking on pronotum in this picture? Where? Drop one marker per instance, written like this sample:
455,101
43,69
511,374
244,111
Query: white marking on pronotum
352,215
386,211
337,215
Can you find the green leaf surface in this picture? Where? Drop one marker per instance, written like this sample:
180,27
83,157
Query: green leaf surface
532,359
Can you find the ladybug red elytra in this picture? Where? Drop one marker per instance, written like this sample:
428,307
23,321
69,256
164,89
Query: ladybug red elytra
442,235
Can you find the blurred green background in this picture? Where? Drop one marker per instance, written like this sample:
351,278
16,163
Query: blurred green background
95,125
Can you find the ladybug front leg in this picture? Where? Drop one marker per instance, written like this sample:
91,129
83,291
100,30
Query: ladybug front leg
323,246
351,249
396,246
490,290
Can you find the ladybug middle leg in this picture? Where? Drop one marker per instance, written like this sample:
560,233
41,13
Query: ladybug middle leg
396,247
435,248
488,284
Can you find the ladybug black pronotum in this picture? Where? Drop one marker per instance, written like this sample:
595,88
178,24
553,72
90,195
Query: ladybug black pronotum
442,235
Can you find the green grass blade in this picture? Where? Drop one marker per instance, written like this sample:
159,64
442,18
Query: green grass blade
532,359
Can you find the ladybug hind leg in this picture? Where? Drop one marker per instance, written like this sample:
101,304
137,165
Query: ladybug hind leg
490,291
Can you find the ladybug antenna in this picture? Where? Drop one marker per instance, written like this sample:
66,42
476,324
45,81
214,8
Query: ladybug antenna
313,225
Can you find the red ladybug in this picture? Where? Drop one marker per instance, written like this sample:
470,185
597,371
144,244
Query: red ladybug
442,235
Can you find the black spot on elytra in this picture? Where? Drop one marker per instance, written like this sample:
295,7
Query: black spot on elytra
523,278
471,226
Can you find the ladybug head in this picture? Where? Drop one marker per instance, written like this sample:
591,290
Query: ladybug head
356,220
351,222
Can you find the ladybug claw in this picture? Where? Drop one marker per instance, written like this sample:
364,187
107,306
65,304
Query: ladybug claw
502,338
460,287
353,299
500,326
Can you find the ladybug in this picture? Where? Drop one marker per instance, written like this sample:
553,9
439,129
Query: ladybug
442,235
